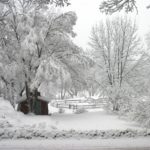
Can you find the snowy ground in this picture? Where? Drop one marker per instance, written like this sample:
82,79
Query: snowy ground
99,124
99,120
91,121
93,130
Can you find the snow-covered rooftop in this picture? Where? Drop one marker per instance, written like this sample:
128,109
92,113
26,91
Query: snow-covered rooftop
42,98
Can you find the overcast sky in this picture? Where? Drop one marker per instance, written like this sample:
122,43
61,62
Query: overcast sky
88,14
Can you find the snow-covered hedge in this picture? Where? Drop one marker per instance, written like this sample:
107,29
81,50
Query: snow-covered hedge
7,131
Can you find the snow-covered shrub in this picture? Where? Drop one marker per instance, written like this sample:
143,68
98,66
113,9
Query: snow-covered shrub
80,110
121,104
120,99
141,113
61,110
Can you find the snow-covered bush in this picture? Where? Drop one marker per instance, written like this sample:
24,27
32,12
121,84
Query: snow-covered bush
80,110
24,133
61,110
122,106
119,100
141,113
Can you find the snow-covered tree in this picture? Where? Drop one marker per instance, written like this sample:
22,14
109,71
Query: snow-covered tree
37,44
116,50
111,6
41,2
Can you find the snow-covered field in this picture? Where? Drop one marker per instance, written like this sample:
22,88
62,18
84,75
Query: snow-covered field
91,121
99,120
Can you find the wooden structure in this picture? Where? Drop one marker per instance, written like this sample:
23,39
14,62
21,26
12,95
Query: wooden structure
87,103
38,104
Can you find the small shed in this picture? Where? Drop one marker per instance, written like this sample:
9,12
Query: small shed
39,105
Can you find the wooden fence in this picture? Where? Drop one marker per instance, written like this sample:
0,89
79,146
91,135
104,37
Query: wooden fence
79,103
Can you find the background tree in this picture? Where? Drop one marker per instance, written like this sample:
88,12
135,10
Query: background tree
116,50
139,77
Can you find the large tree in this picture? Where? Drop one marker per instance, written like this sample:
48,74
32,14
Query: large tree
36,43
116,48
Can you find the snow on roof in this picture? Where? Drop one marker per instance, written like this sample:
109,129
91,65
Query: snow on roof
42,98
46,99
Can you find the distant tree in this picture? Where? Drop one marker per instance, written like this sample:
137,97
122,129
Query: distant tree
116,50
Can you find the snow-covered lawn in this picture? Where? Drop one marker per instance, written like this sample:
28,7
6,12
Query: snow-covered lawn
91,121
94,119
99,120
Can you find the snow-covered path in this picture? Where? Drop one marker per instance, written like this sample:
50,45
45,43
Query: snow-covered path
72,144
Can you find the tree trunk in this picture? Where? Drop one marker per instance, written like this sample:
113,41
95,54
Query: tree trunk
115,105
28,95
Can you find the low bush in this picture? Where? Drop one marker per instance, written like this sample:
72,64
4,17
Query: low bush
61,110
141,113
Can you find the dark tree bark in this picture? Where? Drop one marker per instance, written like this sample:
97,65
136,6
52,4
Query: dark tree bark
28,95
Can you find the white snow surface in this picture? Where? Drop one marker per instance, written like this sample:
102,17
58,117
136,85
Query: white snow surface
18,119
91,121
99,120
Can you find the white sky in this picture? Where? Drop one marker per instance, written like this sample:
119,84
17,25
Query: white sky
88,15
